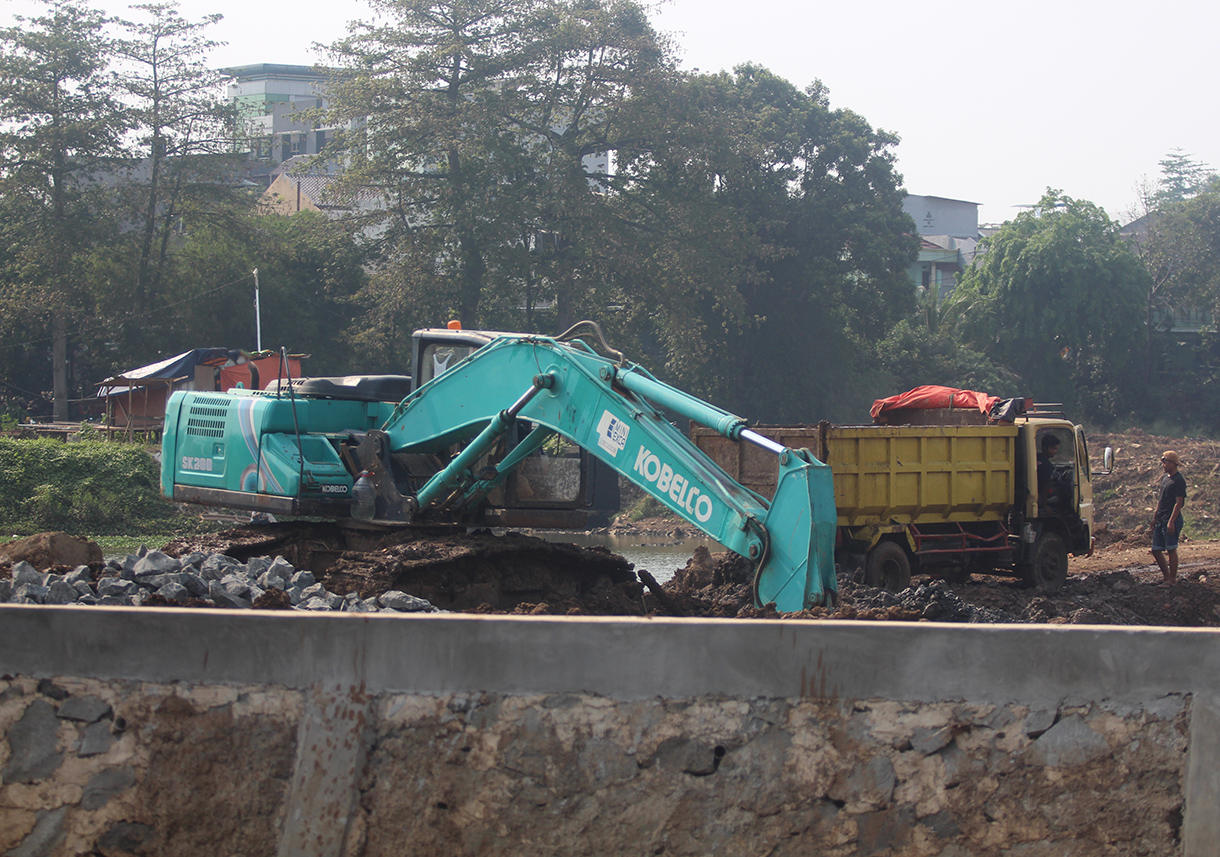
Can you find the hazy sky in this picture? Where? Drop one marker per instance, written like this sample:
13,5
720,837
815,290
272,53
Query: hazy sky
993,102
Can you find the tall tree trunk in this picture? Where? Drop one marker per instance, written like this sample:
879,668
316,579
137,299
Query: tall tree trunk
138,303
59,368
152,203
1148,337
59,323
474,267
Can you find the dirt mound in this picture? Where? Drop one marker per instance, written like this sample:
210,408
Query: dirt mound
716,585
45,550
480,572
1125,498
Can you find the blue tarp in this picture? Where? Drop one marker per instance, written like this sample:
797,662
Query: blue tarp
180,366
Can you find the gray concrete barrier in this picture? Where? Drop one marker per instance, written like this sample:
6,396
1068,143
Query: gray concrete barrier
158,731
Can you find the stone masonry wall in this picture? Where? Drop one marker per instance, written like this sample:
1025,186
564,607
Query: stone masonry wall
116,767
91,767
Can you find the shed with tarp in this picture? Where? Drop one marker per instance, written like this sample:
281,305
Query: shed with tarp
135,400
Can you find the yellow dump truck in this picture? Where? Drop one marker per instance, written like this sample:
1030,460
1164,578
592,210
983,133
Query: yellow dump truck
950,499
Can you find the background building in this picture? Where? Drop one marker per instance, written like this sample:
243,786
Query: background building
273,101
949,235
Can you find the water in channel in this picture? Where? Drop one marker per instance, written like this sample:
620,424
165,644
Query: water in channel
662,555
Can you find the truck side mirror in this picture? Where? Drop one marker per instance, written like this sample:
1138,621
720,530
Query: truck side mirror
1107,459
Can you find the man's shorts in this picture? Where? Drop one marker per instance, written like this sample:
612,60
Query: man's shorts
1166,541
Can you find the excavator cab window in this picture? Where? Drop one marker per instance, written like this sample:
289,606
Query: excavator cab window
551,474
440,357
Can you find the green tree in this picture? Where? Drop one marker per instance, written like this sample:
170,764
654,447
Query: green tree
183,129
779,249
1182,176
60,125
1056,297
414,97
479,121
310,268
590,95
1181,248
543,161
912,355
1169,233
1168,246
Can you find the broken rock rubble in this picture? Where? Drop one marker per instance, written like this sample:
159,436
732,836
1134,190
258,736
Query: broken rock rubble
196,580
934,602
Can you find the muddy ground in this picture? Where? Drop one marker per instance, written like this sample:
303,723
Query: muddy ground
516,573
479,572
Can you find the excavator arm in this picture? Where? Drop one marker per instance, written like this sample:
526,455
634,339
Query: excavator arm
611,408
614,410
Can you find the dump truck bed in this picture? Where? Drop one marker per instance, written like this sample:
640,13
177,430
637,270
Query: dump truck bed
890,474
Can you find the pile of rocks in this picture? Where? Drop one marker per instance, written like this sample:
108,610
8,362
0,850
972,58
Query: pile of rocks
198,579
934,601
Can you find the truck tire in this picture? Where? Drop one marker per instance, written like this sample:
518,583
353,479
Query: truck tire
888,567
1048,567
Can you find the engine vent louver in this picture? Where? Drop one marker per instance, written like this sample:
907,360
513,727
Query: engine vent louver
207,415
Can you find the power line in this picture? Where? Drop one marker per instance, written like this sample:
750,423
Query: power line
24,391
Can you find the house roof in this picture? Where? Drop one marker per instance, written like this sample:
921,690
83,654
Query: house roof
321,190
270,69
156,374
171,369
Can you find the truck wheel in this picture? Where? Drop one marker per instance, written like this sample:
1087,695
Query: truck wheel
888,567
1048,568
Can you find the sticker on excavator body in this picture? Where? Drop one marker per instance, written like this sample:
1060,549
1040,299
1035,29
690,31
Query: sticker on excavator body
612,433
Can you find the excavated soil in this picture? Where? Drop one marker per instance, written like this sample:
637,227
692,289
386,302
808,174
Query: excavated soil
469,572
515,573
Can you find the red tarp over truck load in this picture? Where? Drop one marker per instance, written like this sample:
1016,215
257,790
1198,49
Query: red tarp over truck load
934,397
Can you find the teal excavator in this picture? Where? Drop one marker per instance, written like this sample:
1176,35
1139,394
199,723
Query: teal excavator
434,445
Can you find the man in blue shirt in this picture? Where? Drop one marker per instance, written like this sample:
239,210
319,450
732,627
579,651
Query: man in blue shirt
1167,520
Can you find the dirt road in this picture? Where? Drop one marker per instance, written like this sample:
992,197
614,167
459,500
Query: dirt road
1119,584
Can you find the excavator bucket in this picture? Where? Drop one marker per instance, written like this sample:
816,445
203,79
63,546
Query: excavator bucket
799,570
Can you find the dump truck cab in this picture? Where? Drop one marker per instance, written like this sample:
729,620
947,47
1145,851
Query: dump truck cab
1053,512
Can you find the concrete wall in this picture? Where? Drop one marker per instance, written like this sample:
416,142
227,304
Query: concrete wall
146,731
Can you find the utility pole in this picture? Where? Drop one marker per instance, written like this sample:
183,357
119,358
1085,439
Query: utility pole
258,317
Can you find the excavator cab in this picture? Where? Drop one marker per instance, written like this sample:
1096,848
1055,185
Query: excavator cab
558,486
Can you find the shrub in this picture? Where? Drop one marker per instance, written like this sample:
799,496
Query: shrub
87,488
647,507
